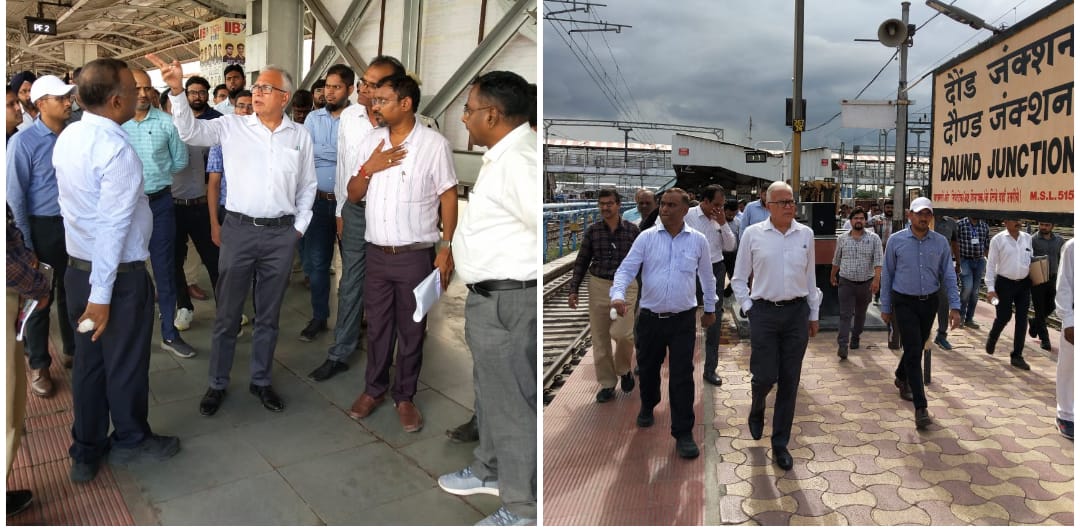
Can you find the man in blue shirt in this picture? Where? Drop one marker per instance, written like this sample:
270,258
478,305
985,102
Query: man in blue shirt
317,245
918,261
973,235
153,136
34,200
669,257
99,177
755,212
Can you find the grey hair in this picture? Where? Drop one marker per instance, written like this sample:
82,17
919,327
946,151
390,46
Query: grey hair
284,75
778,185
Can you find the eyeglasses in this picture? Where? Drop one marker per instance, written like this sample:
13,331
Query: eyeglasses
469,111
364,84
61,99
785,204
378,102
201,93
265,89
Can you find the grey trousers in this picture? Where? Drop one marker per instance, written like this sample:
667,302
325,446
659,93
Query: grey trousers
246,251
854,299
501,333
351,286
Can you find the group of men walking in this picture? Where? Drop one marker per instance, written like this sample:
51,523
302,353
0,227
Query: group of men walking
645,274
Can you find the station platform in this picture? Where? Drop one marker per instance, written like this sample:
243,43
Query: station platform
310,464
992,457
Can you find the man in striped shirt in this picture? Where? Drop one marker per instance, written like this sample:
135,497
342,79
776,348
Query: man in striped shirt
856,271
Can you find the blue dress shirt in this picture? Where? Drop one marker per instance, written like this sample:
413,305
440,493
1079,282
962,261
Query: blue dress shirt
754,213
668,266
159,148
323,128
917,267
31,179
107,216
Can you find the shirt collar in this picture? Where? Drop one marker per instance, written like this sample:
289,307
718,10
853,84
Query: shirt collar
40,128
504,144
103,122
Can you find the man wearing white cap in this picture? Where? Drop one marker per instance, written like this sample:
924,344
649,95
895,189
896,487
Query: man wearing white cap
918,261
34,199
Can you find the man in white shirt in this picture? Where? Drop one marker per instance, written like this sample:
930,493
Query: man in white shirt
708,218
357,122
270,165
495,250
1064,303
783,311
405,203
1007,268
21,84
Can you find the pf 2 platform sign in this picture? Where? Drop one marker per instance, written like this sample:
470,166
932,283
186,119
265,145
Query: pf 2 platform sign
40,26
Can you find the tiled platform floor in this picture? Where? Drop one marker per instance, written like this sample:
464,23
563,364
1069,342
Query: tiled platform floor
993,455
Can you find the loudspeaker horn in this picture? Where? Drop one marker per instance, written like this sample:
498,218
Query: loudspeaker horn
892,33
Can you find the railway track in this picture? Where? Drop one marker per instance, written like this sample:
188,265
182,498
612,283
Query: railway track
566,331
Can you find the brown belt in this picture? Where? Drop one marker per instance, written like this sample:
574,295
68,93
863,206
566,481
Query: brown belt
402,249
329,196
190,202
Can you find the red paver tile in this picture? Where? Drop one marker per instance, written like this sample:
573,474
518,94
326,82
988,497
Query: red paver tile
888,497
857,515
840,481
1065,518
810,504
1033,490
772,518
865,465
961,492
1018,511
731,511
979,475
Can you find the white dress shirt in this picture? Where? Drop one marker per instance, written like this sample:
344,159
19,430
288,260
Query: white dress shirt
353,127
107,218
271,173
720,237
782,265
403,201
1008,257
496,237
668,267
1064,298
226,107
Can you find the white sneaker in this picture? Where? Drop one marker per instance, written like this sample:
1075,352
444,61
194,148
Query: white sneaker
183,319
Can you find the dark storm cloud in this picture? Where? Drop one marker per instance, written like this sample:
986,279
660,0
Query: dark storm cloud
717,63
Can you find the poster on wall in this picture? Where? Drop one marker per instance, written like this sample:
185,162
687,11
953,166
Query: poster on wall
1003,122
221,43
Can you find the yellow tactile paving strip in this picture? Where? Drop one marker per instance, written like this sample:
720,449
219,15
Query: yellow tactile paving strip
993,455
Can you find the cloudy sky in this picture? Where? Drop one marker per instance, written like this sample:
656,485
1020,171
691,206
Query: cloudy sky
718,63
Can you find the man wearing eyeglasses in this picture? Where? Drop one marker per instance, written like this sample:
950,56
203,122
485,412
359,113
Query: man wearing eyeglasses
405,203
191,209
272,160
356,123
234,83
708,218
34,199
155,139
783,311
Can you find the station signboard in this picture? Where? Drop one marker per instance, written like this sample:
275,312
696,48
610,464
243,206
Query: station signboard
40,26
1003,123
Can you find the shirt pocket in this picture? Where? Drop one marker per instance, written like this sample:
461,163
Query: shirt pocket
686,264
795,257
287,161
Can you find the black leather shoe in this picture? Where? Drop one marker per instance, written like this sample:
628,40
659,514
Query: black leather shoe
645,418
686,447
211,401
922,418
855,343
1032,332
84,471
1019,362
627,382
605,395
17,501
314,327
713,379
905,390
842,352
991,342
782,457
1045,345
756,419
328,369
269,398
154,447
466,432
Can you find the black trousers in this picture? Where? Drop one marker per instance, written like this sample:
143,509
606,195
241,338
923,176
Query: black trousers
913,318
111,377
47,234
194,222
778,337
1042,298
1012,293
656,337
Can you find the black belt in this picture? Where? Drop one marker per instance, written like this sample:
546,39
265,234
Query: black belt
159,193
326,195
665,315
263,221
402,249
190,202
47,217
83,265
781,303
916,297
854,281
486,287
